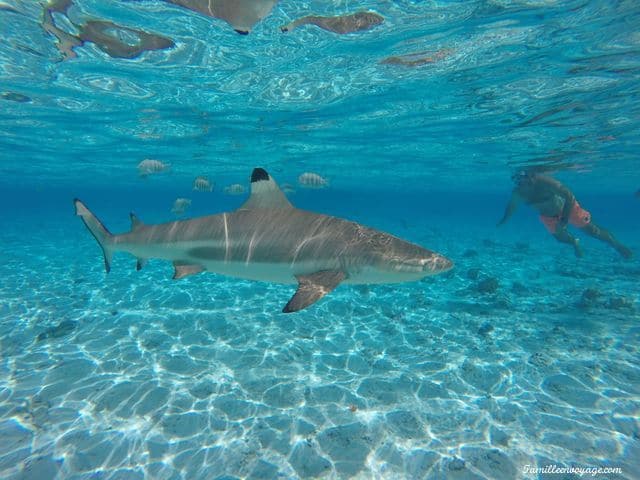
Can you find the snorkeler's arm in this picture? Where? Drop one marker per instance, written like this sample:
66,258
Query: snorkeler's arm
511,207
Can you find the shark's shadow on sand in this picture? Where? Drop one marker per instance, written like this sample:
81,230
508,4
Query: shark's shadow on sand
268,239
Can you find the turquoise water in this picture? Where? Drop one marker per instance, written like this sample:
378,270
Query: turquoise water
523,356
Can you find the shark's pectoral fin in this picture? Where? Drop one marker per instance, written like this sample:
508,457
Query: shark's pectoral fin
312,288
141,263
186,269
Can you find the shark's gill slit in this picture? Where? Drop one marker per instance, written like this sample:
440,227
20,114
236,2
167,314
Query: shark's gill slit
226,238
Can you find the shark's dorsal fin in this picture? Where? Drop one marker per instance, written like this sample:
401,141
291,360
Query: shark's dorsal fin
265,192
136,223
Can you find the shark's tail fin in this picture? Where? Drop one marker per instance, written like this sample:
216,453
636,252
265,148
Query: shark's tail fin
97,229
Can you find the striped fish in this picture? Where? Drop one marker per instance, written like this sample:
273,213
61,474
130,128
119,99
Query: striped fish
149,166
312,180
235,189
202,184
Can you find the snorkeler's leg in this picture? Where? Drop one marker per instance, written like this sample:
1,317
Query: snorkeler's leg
563,235
604,235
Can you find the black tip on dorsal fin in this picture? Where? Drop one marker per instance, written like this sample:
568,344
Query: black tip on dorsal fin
265,192
259,174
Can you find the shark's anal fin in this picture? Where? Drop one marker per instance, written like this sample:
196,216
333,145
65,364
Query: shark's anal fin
312,288
186,269
265,192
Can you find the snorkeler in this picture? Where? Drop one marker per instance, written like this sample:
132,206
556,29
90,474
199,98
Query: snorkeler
557,207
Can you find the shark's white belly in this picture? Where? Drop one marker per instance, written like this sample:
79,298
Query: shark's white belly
281,272
286,273
266,272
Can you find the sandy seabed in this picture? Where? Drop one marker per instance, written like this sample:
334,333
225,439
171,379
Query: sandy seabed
521,356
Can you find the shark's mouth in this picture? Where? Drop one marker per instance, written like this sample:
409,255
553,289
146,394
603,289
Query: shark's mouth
428,265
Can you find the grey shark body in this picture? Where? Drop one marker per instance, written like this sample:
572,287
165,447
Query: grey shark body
268,239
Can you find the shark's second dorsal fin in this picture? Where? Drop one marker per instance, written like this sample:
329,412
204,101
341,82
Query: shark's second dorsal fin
135,222
265,192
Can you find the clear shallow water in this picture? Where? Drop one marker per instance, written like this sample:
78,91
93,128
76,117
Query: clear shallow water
524,81
133,375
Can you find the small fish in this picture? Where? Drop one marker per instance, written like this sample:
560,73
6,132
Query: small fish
288,189
312,180
180,206
149,166
25,49
14,97
235,189
416,59
63,328
202,184
355,22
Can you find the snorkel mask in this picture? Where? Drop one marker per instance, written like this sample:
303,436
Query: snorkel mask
522,177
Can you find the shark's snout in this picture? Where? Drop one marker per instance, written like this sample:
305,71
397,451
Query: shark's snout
438,263
435,264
